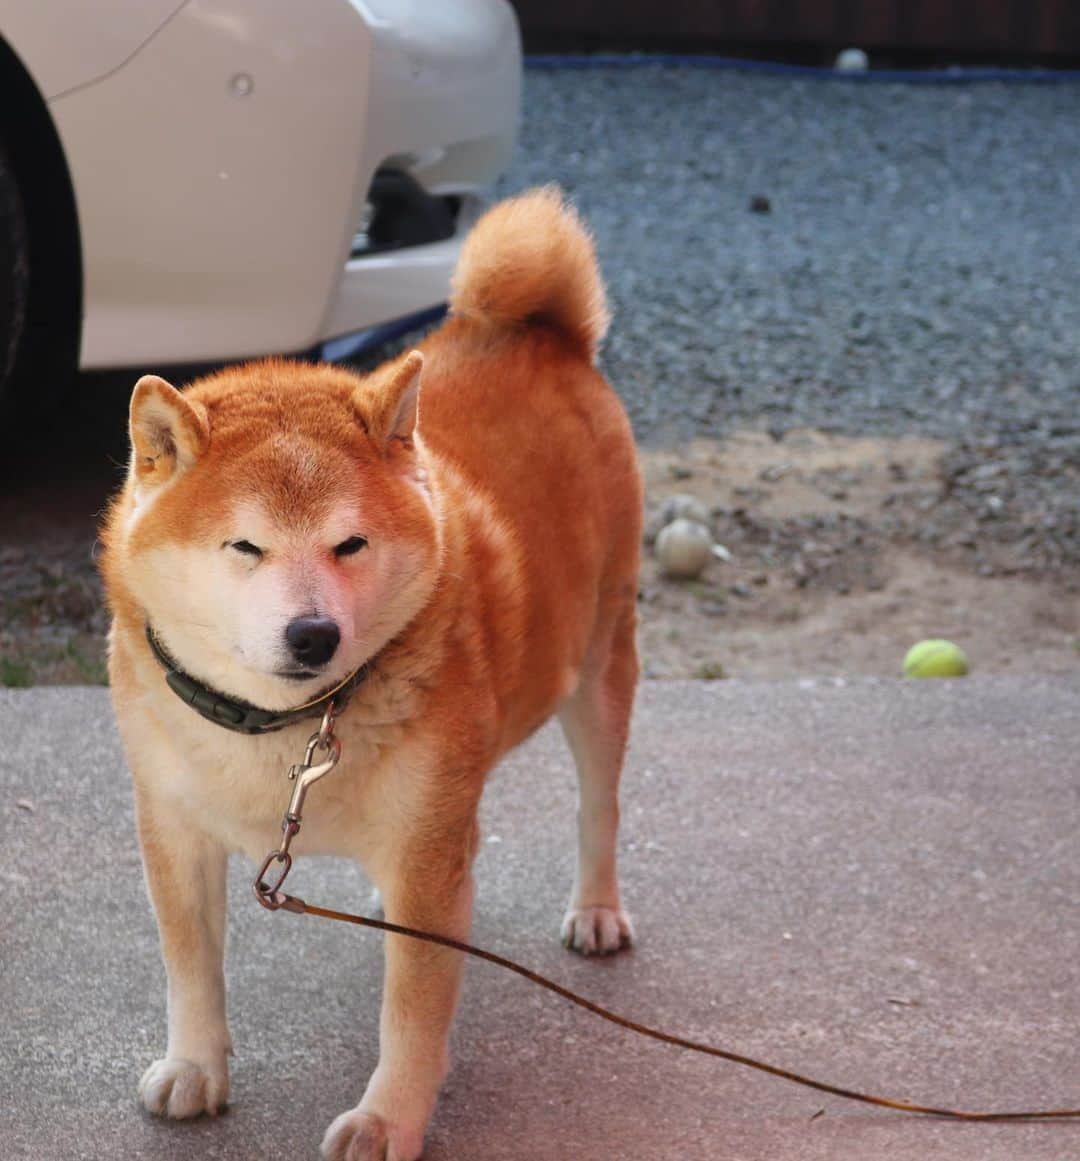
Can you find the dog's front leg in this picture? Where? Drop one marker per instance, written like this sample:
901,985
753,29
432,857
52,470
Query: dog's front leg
429,886
185,871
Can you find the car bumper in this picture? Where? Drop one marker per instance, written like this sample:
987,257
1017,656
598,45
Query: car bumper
222,172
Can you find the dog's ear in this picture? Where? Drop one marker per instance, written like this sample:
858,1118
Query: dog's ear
386,405
168,432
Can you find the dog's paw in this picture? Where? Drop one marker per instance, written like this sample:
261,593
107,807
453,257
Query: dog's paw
356,1136
181,1089
360,1136
597,930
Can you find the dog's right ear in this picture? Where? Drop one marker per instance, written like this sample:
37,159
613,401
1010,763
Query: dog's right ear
168,432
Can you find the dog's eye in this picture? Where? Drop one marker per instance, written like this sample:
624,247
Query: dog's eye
351,546
246,547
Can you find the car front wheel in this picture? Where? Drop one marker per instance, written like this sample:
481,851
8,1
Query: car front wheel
14,278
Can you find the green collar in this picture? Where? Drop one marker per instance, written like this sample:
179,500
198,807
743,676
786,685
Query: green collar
240,716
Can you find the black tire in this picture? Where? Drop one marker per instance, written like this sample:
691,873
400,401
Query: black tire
40,264
14,277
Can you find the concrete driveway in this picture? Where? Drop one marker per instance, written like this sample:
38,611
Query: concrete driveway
876,883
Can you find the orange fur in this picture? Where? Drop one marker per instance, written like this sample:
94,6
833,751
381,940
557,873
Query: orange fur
531,260
498,588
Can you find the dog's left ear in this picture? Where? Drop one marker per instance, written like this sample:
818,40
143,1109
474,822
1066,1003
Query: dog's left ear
387,405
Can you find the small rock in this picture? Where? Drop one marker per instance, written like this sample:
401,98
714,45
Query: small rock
760,204
680,471
852,60
683,506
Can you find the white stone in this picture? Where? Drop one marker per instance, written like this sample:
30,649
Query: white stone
852,60
683,506
722,552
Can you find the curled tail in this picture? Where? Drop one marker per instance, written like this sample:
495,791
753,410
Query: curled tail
530,259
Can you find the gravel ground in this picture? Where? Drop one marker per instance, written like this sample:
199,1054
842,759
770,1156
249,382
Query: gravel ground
786,255
917,269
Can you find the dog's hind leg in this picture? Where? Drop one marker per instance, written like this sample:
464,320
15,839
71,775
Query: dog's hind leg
596,721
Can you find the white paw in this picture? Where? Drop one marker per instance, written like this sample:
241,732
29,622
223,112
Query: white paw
360,1136
355,1136
597,930
180,1089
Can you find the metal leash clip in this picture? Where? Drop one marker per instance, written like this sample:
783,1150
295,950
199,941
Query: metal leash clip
304,774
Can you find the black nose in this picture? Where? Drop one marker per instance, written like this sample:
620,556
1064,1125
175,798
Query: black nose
312,640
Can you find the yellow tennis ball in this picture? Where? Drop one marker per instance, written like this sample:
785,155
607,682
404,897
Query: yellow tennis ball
935,659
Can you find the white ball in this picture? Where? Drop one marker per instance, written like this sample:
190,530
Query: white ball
852,60
683,549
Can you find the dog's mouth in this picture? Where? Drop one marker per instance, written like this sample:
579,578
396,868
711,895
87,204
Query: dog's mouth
296,674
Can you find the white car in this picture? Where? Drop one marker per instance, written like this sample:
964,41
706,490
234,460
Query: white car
185,181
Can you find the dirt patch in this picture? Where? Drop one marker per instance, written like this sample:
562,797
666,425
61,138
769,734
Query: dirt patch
846,551
52,619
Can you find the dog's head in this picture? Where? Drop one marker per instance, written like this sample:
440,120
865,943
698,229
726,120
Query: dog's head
277,529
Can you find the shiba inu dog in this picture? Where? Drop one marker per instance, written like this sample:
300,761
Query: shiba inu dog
450,542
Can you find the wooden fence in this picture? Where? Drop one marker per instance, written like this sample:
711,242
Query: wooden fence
1009,29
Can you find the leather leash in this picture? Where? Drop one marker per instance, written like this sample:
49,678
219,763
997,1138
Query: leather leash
273,898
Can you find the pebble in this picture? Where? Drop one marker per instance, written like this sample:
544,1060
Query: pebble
852,60
683,506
